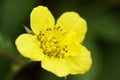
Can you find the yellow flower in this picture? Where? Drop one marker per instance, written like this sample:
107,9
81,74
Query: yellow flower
57,46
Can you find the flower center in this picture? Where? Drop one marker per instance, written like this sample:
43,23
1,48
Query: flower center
51,44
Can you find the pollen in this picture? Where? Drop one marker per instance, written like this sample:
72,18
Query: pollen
50,44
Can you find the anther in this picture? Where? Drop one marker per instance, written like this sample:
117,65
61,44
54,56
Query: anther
57,55
47,29
58,26
38,38
60,29
65,46
42,34
63,49
66,51
54,28
55,42
62,55
41,41
50,29
50,54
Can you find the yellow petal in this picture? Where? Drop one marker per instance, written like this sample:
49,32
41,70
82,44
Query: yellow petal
27,45
69,38
72,22
81,63
56,66
41,18
73,49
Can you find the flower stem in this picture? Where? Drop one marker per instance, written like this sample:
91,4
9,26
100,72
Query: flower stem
65,77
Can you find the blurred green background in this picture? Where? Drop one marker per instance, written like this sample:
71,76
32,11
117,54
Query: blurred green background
102,38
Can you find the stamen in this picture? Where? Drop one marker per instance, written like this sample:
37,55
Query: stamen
63,49
47,29
42,34
50,44
50,29
66,51
54,28
62,56
40,31
65,46
41,41
64,33
60,29
58,26
38,38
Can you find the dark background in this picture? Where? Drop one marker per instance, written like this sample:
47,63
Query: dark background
102,38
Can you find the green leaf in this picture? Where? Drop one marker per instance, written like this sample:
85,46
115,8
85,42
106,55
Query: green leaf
28,30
